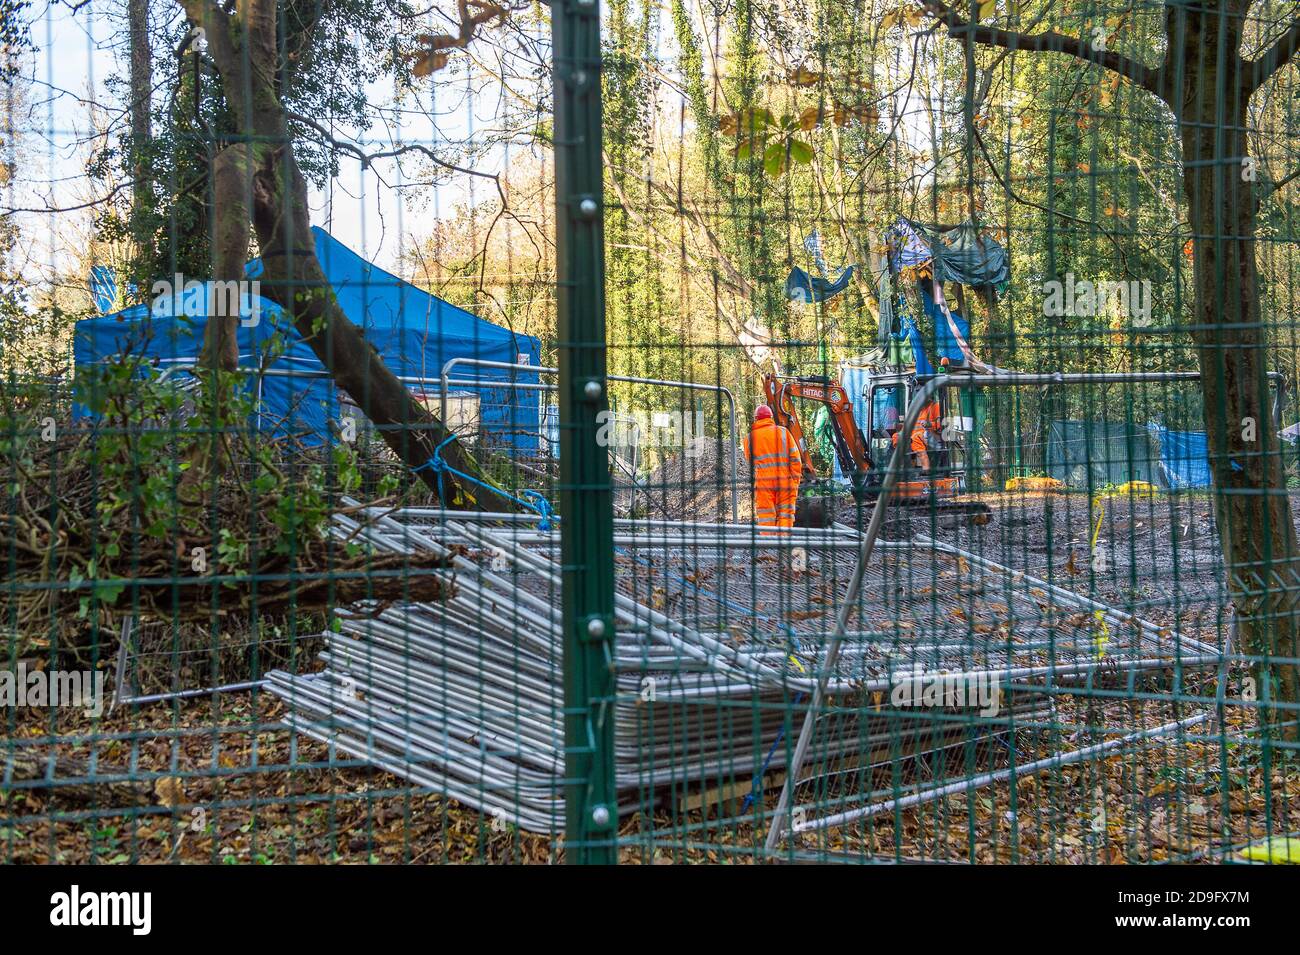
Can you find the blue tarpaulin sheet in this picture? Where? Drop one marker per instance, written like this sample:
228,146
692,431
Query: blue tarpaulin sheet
855,380
919,359
415,332
802,287
1184,457
1097,453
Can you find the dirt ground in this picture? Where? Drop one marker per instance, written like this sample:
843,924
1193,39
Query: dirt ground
221,781
227,787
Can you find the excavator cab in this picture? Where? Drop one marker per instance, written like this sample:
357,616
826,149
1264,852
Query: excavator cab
887,397
888,403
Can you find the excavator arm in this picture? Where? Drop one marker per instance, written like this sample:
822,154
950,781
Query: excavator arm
850,446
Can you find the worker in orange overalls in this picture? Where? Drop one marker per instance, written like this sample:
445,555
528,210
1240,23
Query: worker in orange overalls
927,424
777,466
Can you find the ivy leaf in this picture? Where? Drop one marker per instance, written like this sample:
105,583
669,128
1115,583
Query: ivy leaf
987,9
108,593
754,121
801,152
775,159
810,118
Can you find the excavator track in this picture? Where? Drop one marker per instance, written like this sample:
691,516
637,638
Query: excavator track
814,510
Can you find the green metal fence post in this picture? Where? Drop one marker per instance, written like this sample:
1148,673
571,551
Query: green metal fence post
586,504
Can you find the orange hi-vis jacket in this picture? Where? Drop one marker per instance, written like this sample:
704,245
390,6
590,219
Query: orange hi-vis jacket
773,457
927,422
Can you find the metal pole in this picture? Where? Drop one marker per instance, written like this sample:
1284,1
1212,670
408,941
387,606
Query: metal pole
586,496
631,379
919,401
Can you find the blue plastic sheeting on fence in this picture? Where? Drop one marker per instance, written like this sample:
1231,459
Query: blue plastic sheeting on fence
1184,457
414,332
1094,453
855,380
1097,453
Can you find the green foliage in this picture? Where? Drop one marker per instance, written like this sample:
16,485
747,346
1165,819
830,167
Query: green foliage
158,474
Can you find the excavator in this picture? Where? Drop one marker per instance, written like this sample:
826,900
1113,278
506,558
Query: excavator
924,257
863,458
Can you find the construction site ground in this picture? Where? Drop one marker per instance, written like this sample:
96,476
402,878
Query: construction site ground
218,780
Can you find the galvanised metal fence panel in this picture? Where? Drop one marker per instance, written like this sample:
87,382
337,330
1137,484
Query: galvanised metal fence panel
386,477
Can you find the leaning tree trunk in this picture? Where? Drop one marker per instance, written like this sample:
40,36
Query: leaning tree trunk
292,277
1256,527
244,49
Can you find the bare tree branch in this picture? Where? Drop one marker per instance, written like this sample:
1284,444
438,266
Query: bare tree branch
1281,183
368,158
1050,41
1258,71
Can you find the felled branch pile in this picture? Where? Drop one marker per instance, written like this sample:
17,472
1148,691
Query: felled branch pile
87,537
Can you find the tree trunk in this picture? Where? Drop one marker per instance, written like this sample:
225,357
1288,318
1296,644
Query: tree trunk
293,278
245,52
1256,527
232,176
141,83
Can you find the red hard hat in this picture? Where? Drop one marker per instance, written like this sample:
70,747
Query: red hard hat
763,411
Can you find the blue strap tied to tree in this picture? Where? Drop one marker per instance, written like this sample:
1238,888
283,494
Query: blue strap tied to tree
534,501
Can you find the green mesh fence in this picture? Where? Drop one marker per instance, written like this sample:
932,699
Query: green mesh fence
386,474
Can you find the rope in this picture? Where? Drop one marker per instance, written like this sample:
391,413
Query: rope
533,501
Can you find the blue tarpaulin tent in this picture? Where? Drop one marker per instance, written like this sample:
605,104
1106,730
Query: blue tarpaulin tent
415,332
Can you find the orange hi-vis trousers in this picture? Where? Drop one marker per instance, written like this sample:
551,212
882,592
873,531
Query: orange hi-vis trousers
774,507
